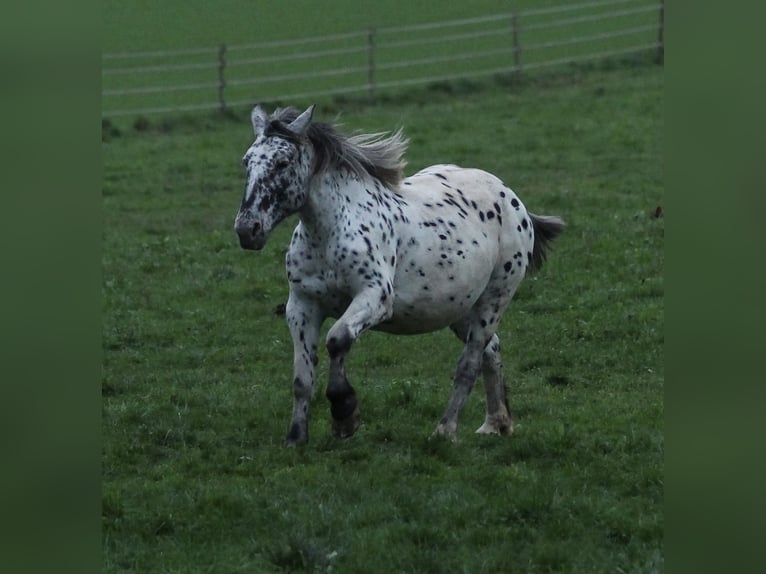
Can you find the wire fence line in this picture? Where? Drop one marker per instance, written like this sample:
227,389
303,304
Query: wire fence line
377,59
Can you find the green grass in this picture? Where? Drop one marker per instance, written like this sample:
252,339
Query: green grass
338,64
176,24
197,364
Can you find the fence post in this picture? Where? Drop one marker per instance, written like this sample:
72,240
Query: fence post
371,62
516,43
221,79
661,35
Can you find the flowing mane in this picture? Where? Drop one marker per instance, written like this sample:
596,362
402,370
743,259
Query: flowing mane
379,155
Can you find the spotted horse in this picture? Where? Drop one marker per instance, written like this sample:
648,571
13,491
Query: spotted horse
445,247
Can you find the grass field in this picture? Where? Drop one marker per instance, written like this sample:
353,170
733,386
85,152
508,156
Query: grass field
197,364
161,56
176,24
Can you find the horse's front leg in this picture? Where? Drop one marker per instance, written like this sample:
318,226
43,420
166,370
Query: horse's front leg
366,310
304,320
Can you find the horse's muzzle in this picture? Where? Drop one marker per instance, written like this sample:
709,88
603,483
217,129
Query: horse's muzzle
251,236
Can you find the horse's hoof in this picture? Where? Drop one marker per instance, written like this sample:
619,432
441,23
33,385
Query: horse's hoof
499,426
294,444
297,436
446,432
345,428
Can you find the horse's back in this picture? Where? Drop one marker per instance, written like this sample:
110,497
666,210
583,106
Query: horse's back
471,181
474,201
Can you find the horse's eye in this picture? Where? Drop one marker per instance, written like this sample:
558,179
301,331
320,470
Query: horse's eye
281,164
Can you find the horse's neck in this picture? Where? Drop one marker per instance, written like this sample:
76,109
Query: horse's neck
329,197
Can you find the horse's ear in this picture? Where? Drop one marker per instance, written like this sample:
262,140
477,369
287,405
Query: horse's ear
259,119
300,125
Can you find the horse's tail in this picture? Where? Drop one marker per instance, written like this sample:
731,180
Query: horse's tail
547,228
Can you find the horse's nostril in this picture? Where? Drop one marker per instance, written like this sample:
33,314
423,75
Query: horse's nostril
256,228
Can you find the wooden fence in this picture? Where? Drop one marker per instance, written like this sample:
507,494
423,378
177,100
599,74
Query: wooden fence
377,59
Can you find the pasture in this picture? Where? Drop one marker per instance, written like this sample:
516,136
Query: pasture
197,359
200,56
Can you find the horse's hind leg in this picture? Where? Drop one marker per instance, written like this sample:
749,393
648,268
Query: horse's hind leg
465,376
481,352
498,419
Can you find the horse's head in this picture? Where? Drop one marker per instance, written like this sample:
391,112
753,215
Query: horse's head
278,164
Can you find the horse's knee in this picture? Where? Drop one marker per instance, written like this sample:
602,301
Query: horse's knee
339,340
302,390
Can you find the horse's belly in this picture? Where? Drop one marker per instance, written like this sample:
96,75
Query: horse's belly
430,307
413,324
